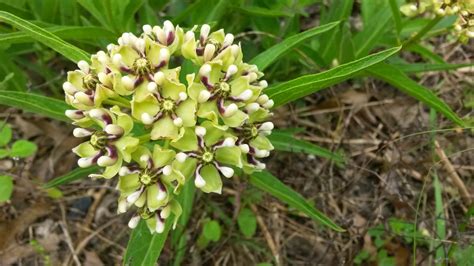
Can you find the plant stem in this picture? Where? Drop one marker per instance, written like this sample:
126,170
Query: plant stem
422,32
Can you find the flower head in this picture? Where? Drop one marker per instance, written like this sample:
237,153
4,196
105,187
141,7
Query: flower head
158,128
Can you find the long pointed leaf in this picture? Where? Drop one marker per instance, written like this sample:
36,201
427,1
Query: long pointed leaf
35,103
285,142
144,248
47,38
422,67
270,184
297,88
402,82
266,58
74,175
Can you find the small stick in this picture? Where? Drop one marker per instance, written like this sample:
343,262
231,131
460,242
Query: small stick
267,234
465,195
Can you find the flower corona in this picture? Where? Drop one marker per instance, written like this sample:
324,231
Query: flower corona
167,107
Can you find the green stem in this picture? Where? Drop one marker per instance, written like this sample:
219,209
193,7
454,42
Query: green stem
144,138
422,32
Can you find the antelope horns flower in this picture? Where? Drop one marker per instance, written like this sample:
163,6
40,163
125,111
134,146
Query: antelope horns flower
200,129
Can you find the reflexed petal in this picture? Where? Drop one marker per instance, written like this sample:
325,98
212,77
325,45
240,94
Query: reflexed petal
164,128
112,170
126,146
128,184
229,156
151,196
212,178
262,143
162,157
235,120
187,111
123,120
149,105
85,149
139,153
187,141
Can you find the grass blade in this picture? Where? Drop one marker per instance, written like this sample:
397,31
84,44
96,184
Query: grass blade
297,88
396,15
144,248
399,80
423,67
266,58
283,141
262,12
47,38
35,103
74,175
270,184
63,32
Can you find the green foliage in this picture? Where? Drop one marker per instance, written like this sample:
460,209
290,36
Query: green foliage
211,232
6,187
247,222
23,148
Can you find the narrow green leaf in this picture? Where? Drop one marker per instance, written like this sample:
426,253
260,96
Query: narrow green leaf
262,12
35,103
284,141
47,38
266,58
218,11
5,133
6,187
272,185
92,9
396,15
64,32
73,175
399,80
297,88
144,248
423,67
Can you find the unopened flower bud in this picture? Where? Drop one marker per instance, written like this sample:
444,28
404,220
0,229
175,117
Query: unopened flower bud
200,131
181,157
84,66
134,222
81,132
204,95
230,110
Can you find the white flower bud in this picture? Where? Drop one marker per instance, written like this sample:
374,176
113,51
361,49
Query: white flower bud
164,55
200,131
262,99
182,96
228,39
102,57
159,78
117,59
245,95
470,34
84,162
147,29
167,170
83,66
252,77
268,104
263,84
147,119
161,195
69,88
168,27
120,41
144,158
165,212
124,171
134,222
204,95
140,45
228,142
235,50
188,36
178,121
252,107
244,148
199,182
114,129
128,83
181,157
226,171
81,132
74,114
231,70
110,47
122,206
132,198
105,161
230,110
205,70
267,126
260,166
83,98
97,113
152,87
261,153
209,51
205,29
160,226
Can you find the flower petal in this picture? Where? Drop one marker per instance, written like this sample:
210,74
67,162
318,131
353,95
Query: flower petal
213,179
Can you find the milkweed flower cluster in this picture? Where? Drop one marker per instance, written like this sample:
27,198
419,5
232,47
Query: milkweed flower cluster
156,122
464,9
